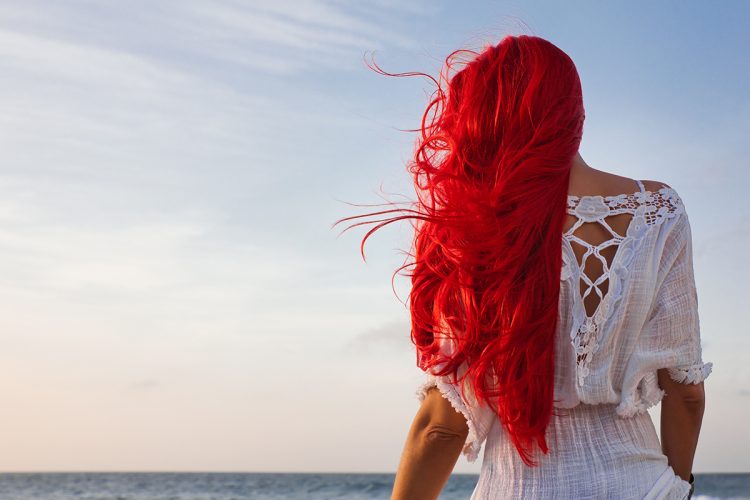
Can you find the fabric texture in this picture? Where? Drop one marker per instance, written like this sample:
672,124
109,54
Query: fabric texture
603,443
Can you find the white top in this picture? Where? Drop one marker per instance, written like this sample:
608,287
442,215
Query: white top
646,320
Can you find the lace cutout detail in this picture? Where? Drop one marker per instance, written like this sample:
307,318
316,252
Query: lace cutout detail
647,208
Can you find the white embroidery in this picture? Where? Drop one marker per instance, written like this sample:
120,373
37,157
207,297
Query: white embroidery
694,374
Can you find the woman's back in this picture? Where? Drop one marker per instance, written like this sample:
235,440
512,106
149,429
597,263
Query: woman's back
627,309
566,316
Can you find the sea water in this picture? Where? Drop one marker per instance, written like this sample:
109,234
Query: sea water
227,486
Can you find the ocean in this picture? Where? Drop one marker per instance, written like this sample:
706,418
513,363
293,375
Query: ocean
264,486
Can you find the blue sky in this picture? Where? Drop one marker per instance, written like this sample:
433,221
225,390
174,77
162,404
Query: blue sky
174,296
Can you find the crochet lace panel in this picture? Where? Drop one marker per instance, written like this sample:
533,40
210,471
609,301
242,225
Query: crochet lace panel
647,209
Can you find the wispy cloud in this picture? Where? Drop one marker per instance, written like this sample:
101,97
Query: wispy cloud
137,144
393,335
280,38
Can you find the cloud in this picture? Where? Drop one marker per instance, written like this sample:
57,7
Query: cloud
142,148
389,336
142,111
278,38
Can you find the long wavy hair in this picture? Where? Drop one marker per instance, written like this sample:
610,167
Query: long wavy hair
491,168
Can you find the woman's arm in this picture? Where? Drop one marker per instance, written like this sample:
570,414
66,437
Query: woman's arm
433,445
681,418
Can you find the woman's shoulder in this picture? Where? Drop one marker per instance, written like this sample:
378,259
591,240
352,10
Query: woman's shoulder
666,214
660,188
656,186
662,200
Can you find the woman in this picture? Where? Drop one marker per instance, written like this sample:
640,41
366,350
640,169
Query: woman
552,303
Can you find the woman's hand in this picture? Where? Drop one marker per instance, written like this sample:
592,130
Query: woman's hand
433,445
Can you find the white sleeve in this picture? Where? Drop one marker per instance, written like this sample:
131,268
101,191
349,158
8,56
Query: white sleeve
674,316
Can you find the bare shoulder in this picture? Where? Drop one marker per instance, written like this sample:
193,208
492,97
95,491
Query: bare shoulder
608,183
651,185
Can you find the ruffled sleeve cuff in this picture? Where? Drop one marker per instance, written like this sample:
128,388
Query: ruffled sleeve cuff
478,423
691,374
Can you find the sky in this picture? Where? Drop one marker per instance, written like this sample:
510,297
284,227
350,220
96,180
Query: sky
174,296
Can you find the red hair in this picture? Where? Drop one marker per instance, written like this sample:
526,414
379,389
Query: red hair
491,169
